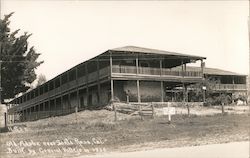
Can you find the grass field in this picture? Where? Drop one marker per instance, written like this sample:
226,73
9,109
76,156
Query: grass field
91,132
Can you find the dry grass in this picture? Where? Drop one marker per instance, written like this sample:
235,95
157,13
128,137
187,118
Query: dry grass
130,133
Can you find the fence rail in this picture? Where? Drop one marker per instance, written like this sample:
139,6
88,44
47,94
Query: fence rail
143,110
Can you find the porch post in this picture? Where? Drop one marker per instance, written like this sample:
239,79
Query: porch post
111,80
162,92
233,83
49,107
137,65
160,67
29,113
69,104
87,83
138,91
203,79
77,90
137,81
61,98
184,92
38,111
98,84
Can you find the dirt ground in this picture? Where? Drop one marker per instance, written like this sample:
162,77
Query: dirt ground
95,132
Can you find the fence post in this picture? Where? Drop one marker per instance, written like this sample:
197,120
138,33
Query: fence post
169,115
140,112
153,110
127,98
222,108
188,108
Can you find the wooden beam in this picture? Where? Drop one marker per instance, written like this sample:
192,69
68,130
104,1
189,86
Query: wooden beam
202,68
111,79
112,89
111,64
160,67
182,68
87,82
77,90
137,65
138,91
184,92
61,98
162,92
98,81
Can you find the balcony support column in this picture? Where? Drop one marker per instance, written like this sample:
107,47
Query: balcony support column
203,80
98,82
162,92
49,107
61,98
184,87
38,111
29,113
111,80
69,105
112,89
138,91
137,65
87,83
233,82
43,108
182,68
160,67
77,91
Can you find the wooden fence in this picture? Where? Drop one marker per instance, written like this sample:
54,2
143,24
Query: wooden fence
141,109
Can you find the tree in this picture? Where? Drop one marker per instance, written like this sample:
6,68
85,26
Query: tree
197,91
18,61
41,80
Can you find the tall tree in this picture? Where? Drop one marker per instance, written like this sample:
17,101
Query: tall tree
41,80
18,60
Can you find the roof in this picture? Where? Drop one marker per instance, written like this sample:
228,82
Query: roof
214,71
136,49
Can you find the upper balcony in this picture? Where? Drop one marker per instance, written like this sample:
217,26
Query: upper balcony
131,71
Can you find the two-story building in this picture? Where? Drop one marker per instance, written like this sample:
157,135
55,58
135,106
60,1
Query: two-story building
129,73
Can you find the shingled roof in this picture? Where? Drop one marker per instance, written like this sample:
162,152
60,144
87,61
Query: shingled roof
135,49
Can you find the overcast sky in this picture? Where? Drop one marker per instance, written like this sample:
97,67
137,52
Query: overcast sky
67,33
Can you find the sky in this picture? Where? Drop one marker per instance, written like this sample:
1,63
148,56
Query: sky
67,33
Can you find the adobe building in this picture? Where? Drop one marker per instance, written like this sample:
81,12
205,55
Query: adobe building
123,74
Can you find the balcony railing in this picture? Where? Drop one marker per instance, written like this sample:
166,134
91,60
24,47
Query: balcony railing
104,72
229,87
154,71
